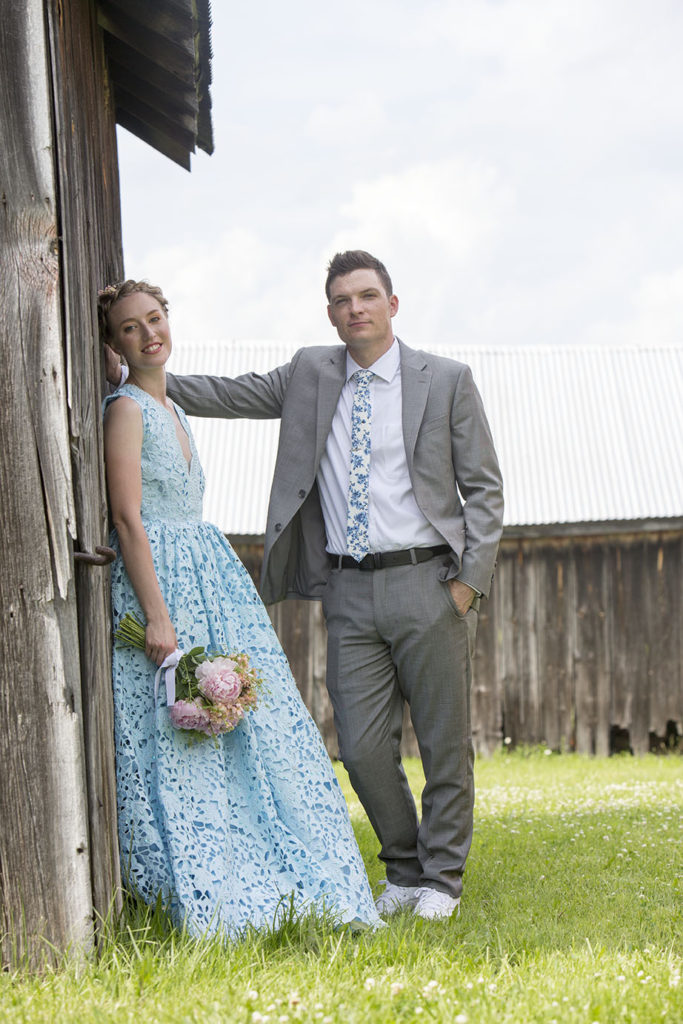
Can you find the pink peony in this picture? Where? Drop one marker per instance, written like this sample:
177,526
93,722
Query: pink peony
218,681
190,715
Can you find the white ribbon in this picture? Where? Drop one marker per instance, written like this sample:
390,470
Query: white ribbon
169,664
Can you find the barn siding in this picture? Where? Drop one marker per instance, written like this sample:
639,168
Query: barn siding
580,639
91,256
60,236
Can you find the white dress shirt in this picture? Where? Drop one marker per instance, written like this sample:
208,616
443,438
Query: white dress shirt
396,522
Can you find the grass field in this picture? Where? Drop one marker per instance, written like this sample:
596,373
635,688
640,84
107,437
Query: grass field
572,912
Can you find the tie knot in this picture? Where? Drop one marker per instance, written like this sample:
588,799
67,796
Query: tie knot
362,377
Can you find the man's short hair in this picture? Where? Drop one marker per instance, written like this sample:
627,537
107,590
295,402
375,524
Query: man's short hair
356,259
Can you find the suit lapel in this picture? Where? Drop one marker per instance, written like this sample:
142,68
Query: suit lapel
330,383
416,378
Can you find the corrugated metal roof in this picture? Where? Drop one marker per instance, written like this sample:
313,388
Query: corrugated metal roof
583,435
159,61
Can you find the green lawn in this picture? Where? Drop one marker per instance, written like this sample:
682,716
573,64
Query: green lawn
572,911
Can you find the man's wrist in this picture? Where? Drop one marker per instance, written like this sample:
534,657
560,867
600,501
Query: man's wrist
475,592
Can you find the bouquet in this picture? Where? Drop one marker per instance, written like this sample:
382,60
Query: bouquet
206,692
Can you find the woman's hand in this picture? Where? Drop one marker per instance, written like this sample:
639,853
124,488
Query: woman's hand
160,639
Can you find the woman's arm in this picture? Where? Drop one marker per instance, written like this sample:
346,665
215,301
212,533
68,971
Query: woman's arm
122,453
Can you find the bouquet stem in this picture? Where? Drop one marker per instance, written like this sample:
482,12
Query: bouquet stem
131,632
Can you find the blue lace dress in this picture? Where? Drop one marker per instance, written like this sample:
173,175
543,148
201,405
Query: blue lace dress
231,832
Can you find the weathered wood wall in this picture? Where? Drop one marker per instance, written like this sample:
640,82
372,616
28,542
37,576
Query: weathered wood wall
581,643
59,234
579,647
91,256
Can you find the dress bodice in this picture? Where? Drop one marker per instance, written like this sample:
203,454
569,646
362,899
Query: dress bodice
170,489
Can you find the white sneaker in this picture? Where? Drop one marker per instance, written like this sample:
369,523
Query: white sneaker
433,904
395,897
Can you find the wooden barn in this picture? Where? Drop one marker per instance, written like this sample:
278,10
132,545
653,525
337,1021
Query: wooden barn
579,647
69,73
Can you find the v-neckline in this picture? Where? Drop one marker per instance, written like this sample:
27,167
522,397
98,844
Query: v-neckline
188,465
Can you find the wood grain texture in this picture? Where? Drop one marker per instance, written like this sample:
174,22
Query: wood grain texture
89,217
44,848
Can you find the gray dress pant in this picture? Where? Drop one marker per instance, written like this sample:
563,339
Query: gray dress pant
395,635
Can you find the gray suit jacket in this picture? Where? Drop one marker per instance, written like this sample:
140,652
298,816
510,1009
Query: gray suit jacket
451,459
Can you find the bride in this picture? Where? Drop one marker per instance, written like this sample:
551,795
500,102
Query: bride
233,830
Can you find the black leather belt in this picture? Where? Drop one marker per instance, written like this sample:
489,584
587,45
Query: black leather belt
388,559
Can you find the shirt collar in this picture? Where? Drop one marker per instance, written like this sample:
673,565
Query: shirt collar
385,367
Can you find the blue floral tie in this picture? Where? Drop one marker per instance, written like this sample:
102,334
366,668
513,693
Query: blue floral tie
357,523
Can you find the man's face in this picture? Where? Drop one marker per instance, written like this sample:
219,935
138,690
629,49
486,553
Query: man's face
361,311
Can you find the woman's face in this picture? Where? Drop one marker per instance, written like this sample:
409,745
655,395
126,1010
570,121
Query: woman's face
139,331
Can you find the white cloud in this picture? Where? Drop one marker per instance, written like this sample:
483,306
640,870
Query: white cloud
454,205
655,316
351,122
516,163
238,286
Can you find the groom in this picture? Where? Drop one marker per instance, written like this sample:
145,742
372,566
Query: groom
387,504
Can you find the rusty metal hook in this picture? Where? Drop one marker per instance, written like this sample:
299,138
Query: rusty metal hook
103,557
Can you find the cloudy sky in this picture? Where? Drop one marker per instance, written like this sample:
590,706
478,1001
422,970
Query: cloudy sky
517,164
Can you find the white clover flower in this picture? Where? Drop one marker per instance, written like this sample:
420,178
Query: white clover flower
369,984
396,988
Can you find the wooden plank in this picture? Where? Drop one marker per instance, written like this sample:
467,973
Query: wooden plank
603,680
638,632
89,215
177,55
588,650
156,139
172,20
510,668
552,643
664,565
487,702
531,599
44,848
177,126
629,655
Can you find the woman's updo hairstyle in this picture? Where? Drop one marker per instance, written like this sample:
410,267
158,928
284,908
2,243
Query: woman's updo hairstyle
113,292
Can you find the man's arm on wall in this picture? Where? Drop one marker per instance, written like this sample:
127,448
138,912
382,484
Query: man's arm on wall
250,396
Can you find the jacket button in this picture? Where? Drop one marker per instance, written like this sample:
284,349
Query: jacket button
302,493
278,527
